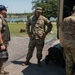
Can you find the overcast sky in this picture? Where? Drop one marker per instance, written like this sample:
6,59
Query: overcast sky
17,6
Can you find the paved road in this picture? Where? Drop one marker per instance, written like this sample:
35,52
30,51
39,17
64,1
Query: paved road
18,49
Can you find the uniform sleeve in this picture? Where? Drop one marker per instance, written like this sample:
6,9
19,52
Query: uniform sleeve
0,23
49,25
64,25
66,29
28,26
1,41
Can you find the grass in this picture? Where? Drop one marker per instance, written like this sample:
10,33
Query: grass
54,29
15,30
53,34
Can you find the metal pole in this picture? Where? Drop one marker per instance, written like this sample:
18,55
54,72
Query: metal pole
61,10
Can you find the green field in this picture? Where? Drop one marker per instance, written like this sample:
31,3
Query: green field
15,30
54,32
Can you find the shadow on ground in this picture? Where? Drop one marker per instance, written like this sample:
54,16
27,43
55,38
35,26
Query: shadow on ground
51,69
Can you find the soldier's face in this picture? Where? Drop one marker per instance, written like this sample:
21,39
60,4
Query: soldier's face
38,14
4,12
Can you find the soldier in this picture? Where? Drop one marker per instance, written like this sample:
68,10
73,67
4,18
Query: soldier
4,34
37,32
68,29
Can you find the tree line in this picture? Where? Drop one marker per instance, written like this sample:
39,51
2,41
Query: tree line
18,15
50,9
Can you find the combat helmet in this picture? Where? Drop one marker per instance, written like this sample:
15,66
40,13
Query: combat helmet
2,7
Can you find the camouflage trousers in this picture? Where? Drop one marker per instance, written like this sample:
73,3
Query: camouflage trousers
1,66
39,44
69,60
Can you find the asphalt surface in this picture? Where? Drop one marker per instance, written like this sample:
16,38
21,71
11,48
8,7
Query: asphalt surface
18,48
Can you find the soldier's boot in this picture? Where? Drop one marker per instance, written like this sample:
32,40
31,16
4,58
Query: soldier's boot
2,72
39,63
26,63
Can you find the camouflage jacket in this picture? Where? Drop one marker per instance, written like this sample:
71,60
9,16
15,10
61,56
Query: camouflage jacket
68,29
5,32
37,26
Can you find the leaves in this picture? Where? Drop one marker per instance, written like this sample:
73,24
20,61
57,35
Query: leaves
50,7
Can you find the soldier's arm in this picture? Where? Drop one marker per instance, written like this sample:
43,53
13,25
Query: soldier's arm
63,25
28,27
2,46
1,41
66,29
48,24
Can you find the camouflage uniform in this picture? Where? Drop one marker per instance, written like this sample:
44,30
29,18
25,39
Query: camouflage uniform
68,29
36,27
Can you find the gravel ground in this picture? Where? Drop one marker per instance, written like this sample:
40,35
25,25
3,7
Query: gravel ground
17,51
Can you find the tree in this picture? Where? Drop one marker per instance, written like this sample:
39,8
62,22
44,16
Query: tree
50,7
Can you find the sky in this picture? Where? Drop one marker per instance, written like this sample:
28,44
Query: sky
17,6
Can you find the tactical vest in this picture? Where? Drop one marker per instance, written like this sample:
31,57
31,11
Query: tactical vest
5,32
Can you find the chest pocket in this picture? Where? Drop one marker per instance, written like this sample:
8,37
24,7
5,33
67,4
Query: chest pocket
39,28
4,26
40,23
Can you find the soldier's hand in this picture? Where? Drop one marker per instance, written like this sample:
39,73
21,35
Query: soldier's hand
44,34
30,35
3,47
